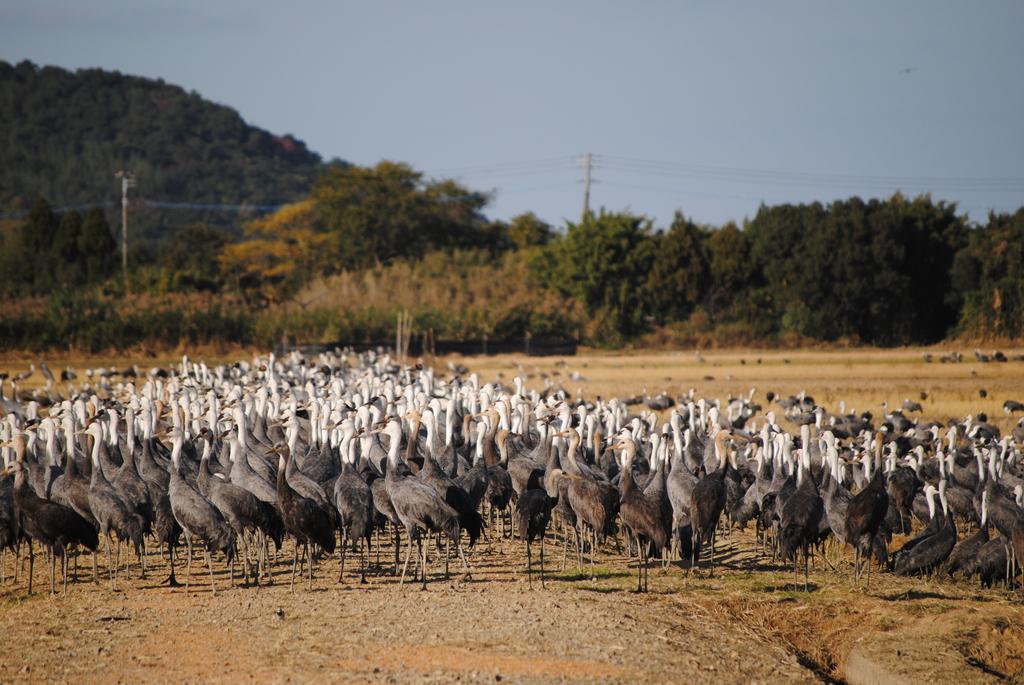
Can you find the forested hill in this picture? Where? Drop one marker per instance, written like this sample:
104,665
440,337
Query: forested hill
64,134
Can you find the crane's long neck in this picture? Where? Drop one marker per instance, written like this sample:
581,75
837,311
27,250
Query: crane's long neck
394,446
51,445
176,452
129,432
721,452
490,458
431,425
574,445
341,444
95,454
628,457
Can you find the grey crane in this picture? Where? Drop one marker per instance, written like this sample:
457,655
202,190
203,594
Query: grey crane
197,516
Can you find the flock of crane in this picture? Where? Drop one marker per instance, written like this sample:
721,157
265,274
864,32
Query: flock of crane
344,451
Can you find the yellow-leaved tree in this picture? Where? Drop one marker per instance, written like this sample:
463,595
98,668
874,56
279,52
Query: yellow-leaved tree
282,252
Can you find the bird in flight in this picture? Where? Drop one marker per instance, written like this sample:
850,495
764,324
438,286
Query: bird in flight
907,70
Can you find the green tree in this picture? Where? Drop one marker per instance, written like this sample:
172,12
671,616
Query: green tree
731,272
388,212
603,261
97,246
68,262
988,274
678,278
37,235
528,230
876,271
191,259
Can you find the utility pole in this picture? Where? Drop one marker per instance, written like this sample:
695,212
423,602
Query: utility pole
127,181
588,161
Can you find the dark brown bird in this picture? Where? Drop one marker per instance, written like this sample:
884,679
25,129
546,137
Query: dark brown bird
303,518
642,515
866,512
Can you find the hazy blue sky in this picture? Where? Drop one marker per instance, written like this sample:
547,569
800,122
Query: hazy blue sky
709,107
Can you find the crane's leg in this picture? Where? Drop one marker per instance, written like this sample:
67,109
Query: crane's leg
110,563
141,551
171,580
309,557
405,566
867,566
64,564
209,565
529,565
542,561
188,565
639,568
593,553
1006,548
694,547
53,572
423,567
295,564
31,563
244,544
364,559
465,562
117,563
805,572
341,566
565,543
645,562
398,544
714,534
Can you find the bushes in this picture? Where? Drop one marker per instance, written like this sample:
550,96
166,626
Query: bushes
878,272
460,296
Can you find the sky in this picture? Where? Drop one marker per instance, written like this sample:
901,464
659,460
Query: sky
706,107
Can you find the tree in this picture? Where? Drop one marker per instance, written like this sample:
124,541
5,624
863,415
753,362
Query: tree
876,271
68,260
528,230
388,212
97,246
730,270
678,277
37,235
191,260
988,274
283,251
603,261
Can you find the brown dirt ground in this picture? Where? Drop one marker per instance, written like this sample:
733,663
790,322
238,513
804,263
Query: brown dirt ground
750,622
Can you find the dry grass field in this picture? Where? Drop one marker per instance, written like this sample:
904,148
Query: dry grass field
749,622
862,378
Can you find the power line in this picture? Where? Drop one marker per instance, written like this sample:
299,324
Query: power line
523,165
802,178
155,204
243,208
546,186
